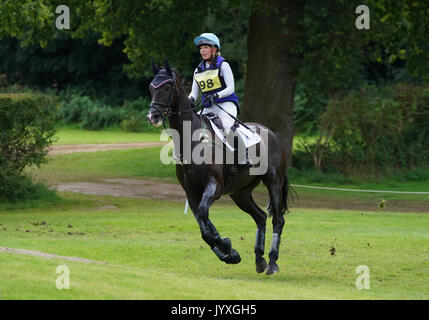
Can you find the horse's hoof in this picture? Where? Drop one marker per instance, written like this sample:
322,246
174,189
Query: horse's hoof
226,246
272,268
261,265
233,257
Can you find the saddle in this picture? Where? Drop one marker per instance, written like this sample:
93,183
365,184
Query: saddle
250,138
214,119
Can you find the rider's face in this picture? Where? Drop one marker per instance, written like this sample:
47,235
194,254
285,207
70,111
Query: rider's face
207,52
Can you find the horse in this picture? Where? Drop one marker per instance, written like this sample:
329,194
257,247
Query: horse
204,183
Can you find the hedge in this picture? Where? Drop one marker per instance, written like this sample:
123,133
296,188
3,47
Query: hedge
26,130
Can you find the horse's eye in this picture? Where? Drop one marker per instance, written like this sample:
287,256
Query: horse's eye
167,88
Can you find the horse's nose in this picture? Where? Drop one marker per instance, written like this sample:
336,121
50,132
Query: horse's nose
153,117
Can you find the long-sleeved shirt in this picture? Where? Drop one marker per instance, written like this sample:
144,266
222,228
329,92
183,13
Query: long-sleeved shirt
226,73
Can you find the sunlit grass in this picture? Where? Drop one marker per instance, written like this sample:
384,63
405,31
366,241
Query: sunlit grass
69,135
154,251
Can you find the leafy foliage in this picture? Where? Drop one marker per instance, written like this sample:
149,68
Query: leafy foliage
327,57
26,130
95,115
374,129
71,66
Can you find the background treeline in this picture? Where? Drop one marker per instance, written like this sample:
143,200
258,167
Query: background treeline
87,78
360,100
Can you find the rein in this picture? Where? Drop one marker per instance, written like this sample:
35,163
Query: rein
168,112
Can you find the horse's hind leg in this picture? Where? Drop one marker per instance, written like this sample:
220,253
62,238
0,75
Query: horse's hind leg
243,199
276,197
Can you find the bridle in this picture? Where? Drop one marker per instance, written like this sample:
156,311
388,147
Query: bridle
168,111
155,104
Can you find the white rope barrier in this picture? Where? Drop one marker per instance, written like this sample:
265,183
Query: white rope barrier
358,190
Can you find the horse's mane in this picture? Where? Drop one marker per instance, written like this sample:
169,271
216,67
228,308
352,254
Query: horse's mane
181,92
179,80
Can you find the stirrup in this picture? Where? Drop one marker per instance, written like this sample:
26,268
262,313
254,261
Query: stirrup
246,165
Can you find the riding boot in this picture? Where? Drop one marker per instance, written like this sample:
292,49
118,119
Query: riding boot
242,152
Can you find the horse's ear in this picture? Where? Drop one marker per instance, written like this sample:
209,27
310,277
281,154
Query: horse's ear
155,68
167,67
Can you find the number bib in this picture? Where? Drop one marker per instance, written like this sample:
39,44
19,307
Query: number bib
208,80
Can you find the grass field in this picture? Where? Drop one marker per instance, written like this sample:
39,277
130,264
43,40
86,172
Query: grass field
145,163
70,135
155,251
148,249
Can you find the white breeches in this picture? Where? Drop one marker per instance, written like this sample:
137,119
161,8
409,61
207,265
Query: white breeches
227,121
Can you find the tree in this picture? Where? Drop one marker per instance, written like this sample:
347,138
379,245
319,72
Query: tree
319,45
271,77
310,42
26,130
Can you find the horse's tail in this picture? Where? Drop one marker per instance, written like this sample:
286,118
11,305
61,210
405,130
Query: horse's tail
286,194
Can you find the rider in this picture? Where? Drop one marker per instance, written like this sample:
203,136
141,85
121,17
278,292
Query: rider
214,78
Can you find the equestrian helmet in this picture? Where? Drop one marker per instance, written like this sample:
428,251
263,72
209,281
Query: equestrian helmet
208,39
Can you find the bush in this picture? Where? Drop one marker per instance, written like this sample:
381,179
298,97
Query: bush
20,187
373,130
135,116
99,117
71,110
94,115
26,130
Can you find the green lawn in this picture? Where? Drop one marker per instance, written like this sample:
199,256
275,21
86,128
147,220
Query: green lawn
68,135
71,135
154,251
145,162
109,164
141,163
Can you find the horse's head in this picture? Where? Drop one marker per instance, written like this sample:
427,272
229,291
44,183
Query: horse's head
162,90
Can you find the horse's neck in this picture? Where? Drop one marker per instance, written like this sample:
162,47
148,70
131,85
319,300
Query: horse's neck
184,123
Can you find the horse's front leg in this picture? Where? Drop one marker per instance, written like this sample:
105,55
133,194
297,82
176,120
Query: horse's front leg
221,247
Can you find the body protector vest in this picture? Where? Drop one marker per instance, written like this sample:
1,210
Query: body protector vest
210,81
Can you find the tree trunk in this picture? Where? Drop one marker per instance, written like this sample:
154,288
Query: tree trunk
270,78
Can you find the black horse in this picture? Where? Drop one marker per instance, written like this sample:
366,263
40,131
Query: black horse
205,183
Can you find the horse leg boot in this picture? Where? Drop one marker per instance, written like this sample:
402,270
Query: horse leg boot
221,247
244,200
278,223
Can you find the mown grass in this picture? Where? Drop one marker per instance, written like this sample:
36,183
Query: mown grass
70,135
154,251
141,163
109,164
148,163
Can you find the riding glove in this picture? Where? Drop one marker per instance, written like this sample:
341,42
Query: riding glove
192,101
210,99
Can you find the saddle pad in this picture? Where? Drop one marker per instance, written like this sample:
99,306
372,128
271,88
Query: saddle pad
249,137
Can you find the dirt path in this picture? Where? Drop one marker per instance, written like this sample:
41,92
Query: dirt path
150,188
65,149
156,188
48,255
